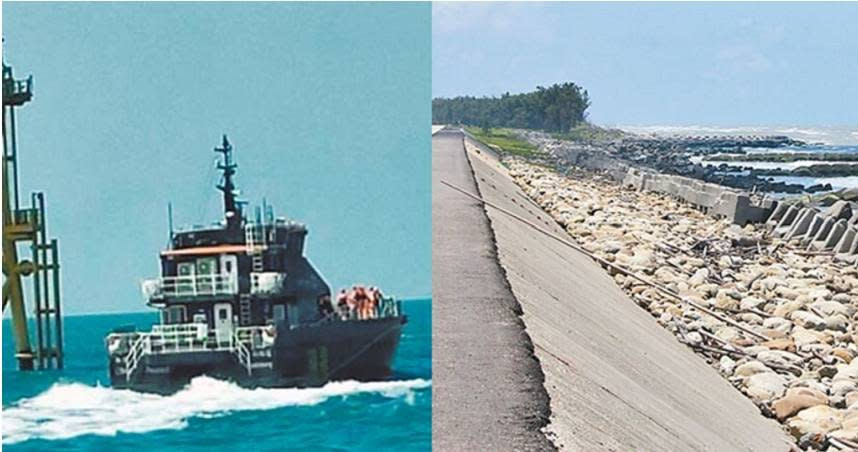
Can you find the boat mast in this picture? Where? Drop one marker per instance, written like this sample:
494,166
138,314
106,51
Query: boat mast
231,208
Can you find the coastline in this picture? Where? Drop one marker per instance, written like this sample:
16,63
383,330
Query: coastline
615,379
799,304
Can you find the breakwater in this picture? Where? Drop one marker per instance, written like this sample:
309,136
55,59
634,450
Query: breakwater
688,157
616,380
827,226
831,229
775,320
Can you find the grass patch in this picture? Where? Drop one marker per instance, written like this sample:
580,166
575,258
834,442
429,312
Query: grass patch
506,140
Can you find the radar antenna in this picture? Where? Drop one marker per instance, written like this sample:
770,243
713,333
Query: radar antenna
231,207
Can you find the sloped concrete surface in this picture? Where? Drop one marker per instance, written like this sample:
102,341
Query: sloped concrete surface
616,380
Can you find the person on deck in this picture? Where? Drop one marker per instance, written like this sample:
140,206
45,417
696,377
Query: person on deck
373,300
325,307
342,304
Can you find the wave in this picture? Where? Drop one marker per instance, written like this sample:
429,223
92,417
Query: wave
66,410
833,135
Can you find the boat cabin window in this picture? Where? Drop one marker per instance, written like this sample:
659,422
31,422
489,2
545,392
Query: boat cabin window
206,266
186,269
221,314
279,312
173,314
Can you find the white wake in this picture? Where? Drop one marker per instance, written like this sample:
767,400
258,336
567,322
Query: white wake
67,410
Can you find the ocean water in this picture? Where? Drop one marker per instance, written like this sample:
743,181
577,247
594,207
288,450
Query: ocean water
75,409
843,139
827,135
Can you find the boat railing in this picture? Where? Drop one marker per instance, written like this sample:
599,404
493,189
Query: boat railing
255,235
256,337
192,337
178,338
26,216
241,351
266,283
135,352
191,285
387,307
16,87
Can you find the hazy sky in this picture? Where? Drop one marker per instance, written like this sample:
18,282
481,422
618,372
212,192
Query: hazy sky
326,105
660,63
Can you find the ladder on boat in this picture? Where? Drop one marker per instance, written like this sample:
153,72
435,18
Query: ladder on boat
255,241
244,310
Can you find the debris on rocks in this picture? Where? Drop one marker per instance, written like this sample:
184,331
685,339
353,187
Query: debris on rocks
785,328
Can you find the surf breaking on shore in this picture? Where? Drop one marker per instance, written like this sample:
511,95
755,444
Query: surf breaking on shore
67,410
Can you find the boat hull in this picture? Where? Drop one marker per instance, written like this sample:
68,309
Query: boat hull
300,357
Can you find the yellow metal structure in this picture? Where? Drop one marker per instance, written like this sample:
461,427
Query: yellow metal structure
23,227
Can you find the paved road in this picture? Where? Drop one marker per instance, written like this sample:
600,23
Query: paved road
487,391
616,379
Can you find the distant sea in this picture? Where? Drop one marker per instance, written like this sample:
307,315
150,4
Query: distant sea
819,139
75,409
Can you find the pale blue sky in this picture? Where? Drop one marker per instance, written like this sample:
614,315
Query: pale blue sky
327,106
660,63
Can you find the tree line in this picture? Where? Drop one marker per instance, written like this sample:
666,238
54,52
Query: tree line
557,108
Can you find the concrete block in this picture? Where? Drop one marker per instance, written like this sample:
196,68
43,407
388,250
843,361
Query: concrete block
835,235
818,240
786,221
815,225
802,223
840,210
845,243
775,217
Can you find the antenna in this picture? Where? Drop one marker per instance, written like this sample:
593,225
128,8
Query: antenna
170,223
231,208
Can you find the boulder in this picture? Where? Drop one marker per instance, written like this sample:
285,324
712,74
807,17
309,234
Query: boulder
830,308
726,365
699,277
837,322
750,368
784,344
819,419
778,358
808,320
765,386
804,336
797,399
786,309
843,353
778,323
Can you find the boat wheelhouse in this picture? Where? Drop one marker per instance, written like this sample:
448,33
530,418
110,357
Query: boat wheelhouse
240,301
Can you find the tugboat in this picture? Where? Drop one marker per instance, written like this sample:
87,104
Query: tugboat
239,301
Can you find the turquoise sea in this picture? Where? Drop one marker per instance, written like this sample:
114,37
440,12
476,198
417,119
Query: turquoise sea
75,409
837,183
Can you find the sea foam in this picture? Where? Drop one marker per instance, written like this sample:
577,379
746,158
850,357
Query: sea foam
66,410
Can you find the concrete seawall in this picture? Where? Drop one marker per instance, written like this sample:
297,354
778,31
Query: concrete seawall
487,387
616,380
718,200
833,229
